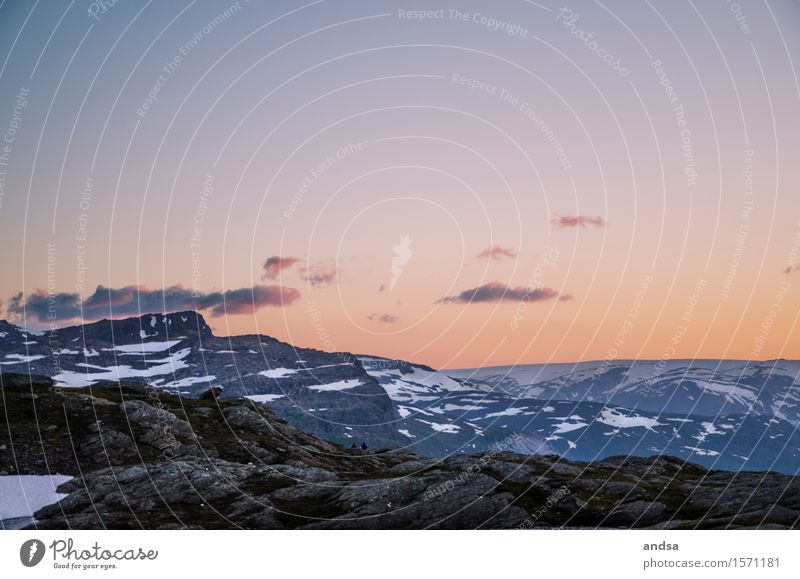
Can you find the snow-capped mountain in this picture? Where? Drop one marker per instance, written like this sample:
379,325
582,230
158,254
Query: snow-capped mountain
728,415
582,430
430,405
327,394
703,387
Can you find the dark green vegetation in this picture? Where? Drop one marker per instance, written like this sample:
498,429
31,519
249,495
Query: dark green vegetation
145,459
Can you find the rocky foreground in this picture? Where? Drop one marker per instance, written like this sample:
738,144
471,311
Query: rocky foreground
145,459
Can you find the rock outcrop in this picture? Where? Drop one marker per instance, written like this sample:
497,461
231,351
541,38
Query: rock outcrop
145,459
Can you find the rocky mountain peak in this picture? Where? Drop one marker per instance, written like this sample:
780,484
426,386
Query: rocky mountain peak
153,325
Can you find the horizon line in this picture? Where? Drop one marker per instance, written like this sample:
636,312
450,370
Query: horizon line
461,369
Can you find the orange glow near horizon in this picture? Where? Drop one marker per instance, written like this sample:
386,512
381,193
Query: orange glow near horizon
435,191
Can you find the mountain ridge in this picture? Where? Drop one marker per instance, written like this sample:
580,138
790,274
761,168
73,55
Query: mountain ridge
588,412
447,369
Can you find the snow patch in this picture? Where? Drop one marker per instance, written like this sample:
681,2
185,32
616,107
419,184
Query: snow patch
72,379
146,347
277,372
183,382
448,428
506,412
19,359
265,397
613,417
340,385
708,429
563,427
701,451
23,495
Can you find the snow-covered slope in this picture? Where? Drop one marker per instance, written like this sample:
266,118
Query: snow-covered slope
581,430
705,387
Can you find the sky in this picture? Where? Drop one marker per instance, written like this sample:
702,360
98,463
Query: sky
501,183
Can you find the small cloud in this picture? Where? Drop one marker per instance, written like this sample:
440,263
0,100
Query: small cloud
564,221
273,266
791,269
320,274
248,300
497,252
383,318
498,292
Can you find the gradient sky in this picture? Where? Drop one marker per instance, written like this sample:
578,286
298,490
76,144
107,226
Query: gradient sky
524,165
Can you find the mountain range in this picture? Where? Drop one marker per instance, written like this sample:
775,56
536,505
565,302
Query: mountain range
731,415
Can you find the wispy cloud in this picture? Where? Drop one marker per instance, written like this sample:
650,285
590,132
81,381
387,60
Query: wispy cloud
383,318
273,265
108,302
497,252
319,274
498,292
565,221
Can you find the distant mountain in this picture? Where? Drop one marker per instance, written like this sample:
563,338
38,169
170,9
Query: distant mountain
582,429
704,387
722,414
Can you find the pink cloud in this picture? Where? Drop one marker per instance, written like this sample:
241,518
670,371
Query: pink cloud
564,221
248,300
497,252
276,263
